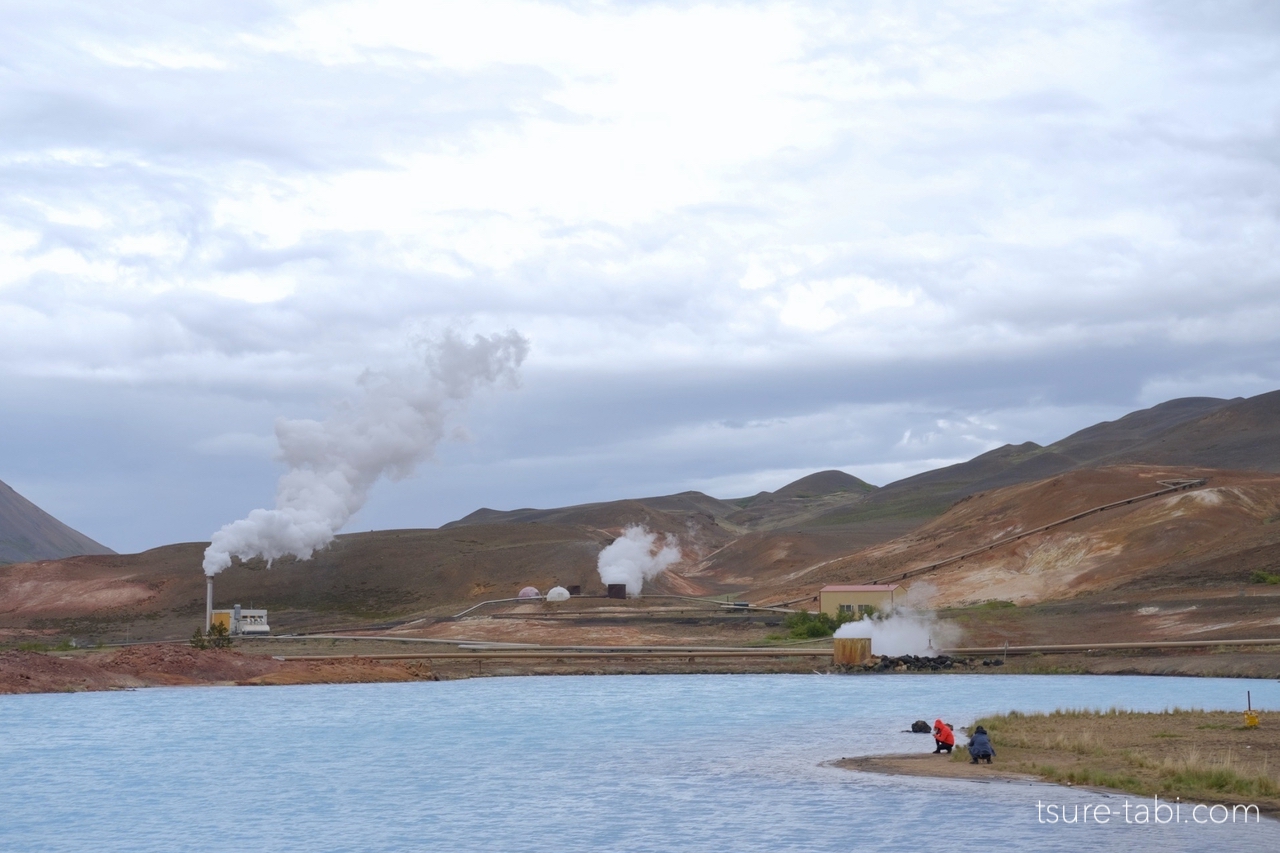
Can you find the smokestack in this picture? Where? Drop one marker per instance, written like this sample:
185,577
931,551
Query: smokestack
208,605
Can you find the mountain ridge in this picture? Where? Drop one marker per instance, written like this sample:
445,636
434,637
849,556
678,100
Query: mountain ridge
29,533
1239,433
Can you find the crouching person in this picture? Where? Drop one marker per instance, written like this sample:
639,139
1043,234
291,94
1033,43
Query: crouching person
943,737
980,747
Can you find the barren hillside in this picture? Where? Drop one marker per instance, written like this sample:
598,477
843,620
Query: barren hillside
29,533
1173,566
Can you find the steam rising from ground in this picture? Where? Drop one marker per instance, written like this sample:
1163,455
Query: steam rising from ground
394,425
903,632
636,556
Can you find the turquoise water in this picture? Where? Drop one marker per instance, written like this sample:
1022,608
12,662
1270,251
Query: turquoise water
632,763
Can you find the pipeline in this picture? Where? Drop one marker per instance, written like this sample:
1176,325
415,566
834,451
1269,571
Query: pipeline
1171,486
1092,647
658,652
529,654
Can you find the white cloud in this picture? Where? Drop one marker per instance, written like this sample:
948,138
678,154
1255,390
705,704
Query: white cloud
766,213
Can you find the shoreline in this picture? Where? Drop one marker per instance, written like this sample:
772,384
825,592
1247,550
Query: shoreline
365,660
932,766
1198,756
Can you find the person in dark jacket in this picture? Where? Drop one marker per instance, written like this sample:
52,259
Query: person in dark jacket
943,737
980,746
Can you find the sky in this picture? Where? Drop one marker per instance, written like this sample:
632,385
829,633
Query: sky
745,241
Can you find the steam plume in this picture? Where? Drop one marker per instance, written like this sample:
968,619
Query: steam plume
396,423
902,632
636,556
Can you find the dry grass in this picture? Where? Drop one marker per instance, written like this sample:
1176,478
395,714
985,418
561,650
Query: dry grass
1197,755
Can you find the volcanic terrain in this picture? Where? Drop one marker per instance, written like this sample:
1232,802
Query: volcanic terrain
1185,565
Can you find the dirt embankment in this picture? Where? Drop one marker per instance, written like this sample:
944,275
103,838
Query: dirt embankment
358,659
172,664
1198,756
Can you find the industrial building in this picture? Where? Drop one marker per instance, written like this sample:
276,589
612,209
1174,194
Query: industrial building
835,599
242,622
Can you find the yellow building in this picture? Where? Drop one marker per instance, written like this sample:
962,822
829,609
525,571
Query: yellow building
835,599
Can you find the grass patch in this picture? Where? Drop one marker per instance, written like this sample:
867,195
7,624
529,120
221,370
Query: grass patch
1264,577
1133,752
64,646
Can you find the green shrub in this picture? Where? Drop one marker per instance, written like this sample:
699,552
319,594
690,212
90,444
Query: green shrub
218,636
1264,577
803,625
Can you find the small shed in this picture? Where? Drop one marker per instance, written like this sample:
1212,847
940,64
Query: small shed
835,599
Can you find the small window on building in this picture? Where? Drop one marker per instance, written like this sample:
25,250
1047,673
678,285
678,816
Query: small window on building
846,608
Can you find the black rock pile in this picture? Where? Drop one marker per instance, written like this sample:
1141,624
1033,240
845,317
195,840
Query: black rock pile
906,663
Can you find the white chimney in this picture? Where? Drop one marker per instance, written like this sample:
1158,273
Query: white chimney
208,606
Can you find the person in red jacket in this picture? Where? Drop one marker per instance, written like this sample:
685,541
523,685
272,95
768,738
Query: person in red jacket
943,737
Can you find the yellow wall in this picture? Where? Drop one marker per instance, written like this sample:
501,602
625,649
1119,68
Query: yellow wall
829,602
223,618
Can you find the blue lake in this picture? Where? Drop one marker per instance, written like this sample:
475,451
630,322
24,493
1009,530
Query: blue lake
629,763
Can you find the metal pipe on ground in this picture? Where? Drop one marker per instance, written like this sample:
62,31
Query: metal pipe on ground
623,654
1171,486
1090,647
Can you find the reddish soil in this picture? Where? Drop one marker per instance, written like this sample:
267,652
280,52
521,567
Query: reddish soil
172,665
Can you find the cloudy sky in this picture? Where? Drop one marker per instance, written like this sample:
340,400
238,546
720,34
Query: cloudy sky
745,241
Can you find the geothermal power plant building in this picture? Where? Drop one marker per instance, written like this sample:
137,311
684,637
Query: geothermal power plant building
241,622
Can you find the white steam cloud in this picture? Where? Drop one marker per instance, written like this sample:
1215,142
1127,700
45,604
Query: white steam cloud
396,423
636,556
903,632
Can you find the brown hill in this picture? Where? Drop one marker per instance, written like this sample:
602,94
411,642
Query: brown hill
666,514
1239,434
29,533
800,501
1171,567
779,546
1243,435
361,577
1182,566
1206,432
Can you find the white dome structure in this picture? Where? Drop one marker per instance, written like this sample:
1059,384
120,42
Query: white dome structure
557,593
529,592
